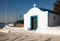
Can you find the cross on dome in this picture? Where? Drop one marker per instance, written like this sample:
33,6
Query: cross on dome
34,5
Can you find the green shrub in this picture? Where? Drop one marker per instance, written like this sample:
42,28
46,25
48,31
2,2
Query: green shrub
19,22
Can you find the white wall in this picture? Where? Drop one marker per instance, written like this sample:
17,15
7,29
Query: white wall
53,22
42,18
59,19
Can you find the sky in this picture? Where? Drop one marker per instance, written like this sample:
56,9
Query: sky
22,6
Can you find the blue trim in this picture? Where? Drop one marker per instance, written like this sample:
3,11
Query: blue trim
48,19
31,21
49,11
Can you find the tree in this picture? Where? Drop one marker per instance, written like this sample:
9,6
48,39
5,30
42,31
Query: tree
57,7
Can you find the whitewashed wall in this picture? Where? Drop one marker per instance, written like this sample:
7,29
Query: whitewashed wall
42,18
59,19
53,22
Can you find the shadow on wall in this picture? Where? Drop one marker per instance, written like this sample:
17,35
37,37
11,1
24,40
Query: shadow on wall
54,25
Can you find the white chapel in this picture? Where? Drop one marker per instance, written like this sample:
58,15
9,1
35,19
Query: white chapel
36,18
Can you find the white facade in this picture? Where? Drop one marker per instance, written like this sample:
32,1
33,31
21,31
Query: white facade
44,19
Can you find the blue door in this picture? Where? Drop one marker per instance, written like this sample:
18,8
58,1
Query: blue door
33,22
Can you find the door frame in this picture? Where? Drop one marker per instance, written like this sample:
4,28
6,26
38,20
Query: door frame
31,22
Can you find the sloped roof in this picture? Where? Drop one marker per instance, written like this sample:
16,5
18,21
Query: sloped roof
49,11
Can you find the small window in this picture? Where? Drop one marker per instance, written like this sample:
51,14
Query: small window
54,18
